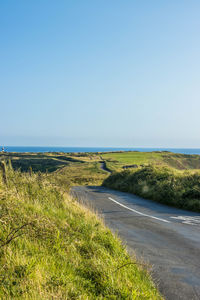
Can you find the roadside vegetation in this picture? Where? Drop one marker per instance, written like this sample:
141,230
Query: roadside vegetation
161,184
86,168
165,177
51,247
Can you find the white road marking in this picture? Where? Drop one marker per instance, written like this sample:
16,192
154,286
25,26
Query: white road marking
138,212
188,220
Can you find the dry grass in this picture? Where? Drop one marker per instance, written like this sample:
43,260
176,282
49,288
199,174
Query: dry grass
51,247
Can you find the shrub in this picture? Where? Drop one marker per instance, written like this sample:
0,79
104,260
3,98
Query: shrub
160,184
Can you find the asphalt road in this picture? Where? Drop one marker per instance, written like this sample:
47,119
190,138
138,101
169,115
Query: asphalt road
166,238
104,168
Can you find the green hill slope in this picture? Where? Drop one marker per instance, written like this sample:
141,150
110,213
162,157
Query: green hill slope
168,186
51,247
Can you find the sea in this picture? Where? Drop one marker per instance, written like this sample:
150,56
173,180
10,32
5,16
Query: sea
23,149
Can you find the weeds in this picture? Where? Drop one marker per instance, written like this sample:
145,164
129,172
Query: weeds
54,248
180,189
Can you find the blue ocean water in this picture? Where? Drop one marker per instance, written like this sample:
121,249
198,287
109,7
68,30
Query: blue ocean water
96,149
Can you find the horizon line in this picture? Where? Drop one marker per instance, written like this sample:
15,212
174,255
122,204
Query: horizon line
117,147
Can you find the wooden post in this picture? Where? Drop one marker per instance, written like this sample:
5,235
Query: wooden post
3,167
30,171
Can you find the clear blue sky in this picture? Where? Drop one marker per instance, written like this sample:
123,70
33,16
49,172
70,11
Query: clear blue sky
100,73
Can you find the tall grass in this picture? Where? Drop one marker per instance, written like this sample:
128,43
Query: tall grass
51,247
180,189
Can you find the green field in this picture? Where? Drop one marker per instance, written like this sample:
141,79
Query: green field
85,168
116,161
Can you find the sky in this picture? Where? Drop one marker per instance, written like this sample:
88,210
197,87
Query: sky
109,73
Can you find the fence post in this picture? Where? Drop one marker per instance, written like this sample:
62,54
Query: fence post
3,167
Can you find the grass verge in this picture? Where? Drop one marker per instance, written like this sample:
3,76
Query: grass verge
51,247
175,188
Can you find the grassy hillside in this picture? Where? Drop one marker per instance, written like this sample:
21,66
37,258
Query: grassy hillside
116,161
176,188
86,168
53,248
84,174
78,168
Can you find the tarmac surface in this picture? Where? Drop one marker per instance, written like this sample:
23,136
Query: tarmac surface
165,237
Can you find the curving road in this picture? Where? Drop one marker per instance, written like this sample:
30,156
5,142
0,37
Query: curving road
103,167
165,237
